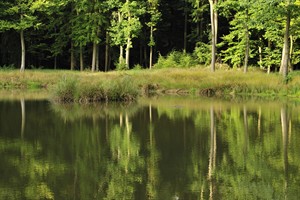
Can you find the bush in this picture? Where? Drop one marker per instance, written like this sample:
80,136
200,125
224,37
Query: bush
202,53
121,65
65,90
176,59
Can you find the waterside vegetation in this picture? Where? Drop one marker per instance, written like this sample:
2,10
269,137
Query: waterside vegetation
73,86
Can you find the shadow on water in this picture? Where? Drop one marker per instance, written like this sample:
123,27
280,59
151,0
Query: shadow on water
157,148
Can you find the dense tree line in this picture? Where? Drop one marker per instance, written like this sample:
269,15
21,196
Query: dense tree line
103,35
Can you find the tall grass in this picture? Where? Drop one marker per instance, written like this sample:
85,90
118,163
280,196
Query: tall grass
72,90
77,86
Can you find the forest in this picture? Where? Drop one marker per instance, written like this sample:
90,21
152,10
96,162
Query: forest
124,34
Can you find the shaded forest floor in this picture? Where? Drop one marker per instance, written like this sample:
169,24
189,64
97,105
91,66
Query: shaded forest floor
191,81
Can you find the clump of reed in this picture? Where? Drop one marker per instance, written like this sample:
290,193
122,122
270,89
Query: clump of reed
70,89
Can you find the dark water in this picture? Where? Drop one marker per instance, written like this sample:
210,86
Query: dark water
166,148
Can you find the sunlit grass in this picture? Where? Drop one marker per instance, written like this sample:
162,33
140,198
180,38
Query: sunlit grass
197,80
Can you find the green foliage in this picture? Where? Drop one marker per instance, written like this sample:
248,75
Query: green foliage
176,59
120,66
203,53
8,67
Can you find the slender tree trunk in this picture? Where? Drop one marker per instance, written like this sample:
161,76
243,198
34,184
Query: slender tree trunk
260,57
247,45
106,52
121,57
81,58
151,48
97,58
291,52
285,51
246,52
216,22
269,66
94,57
72,57
128,51
213,35
23,52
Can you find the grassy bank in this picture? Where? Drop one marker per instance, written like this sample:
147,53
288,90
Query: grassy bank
126,85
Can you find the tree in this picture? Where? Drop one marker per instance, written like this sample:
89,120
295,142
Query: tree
20,15
238,39
91,14
126,25
214,32
155,16
285,50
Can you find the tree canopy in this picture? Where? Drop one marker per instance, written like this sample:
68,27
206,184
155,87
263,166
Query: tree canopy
77,34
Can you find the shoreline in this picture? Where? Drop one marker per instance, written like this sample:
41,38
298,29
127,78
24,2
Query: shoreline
128,85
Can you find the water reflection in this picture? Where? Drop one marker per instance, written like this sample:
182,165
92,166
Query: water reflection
155,149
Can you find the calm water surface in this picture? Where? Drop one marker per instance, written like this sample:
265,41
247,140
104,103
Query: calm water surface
165,148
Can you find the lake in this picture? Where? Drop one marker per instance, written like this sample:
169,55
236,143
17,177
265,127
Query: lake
156,148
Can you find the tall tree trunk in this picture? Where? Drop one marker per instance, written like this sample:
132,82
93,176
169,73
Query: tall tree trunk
247,45
260,55
291,52
106,52
213,34
128,51
285,50
151,48
94,57
97,58
121,57
81,58
269,66
216,22
72,57
22,68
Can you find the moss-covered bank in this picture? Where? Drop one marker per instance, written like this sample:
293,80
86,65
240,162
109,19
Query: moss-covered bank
127,85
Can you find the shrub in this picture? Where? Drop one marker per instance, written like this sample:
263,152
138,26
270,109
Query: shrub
121,65
202,53
176,59
65,90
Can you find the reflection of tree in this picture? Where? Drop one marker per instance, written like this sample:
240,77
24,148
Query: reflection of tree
284,126
25,173
212,153
23,116
152,162
124,169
